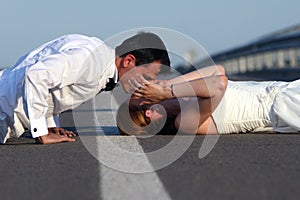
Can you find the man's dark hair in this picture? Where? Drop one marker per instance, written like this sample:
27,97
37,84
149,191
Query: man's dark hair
146,47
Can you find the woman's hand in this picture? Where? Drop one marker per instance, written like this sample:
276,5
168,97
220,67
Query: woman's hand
161,82
153,92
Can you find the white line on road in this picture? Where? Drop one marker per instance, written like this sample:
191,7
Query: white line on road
115,184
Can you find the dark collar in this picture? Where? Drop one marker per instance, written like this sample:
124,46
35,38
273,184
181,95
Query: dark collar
110,85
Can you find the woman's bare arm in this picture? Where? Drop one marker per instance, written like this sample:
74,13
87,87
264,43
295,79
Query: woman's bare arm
195,117
199,73
206,87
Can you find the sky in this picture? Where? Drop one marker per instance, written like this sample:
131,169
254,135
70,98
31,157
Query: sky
216,25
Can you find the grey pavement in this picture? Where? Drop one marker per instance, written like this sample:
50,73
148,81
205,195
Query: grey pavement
240,166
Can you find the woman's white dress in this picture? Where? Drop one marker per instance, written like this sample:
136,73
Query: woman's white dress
250,106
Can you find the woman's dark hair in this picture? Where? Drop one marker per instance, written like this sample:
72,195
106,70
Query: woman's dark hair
131,120
146,47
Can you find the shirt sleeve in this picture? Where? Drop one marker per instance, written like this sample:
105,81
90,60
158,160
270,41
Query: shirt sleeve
57,70
53,121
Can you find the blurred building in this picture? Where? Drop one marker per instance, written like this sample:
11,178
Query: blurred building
276,51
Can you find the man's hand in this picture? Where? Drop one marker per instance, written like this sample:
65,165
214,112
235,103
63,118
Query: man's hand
52,138
56,135
61,131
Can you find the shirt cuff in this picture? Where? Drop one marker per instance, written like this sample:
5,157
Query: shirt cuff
38,127
53,121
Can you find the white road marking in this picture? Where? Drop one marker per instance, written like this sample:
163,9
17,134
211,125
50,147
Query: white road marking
122,185
115,184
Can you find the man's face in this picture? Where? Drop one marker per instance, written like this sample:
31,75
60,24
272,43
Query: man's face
148,71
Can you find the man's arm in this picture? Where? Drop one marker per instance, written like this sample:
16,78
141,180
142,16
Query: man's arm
54,71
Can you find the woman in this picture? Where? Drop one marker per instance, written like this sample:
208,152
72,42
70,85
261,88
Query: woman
246,106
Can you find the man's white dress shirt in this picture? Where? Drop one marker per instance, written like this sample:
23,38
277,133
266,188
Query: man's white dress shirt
57,76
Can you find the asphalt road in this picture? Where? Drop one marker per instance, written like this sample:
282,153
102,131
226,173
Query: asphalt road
240,166
248,166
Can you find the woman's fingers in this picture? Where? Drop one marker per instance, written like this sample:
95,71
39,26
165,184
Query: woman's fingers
153,93
135,84
139,84
143,80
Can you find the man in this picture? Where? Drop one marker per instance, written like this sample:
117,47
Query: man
64,73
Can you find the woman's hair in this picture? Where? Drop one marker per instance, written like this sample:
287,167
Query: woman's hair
131,120
146,48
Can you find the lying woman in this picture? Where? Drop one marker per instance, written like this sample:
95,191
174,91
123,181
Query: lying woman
246,106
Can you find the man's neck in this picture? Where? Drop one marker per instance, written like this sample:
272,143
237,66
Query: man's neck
118,64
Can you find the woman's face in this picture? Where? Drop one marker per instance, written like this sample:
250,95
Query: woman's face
155,113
